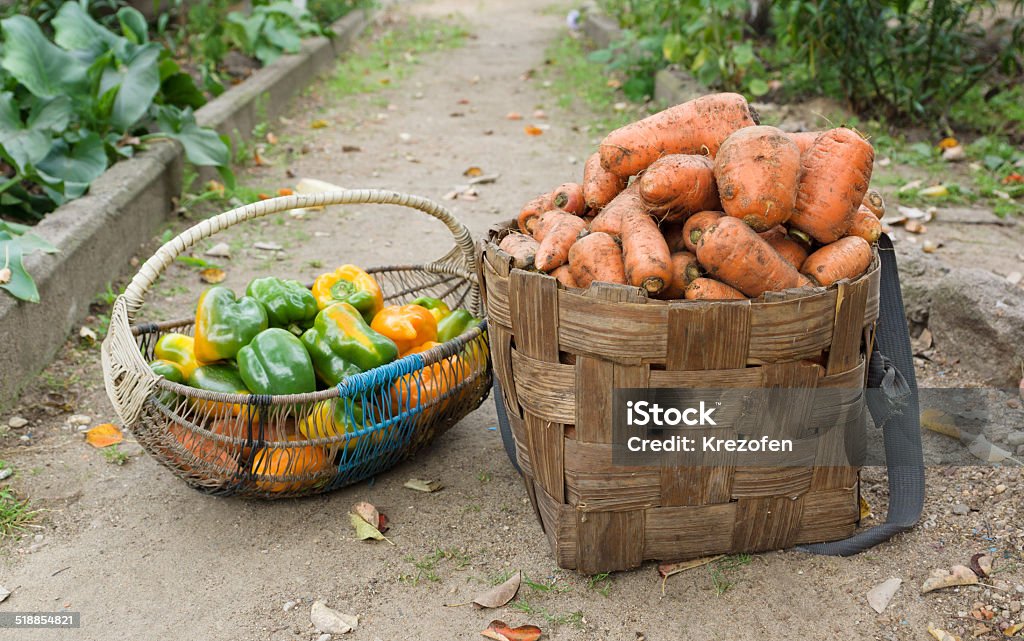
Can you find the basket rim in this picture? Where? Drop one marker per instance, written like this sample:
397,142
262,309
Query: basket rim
348,388
790,294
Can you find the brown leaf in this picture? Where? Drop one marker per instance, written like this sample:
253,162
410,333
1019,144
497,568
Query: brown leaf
257,158
865,509
915,227
533,130
212,275
6,273
941,635
514,115
981,564
957,575
499,595
350,148
473,172
369,513
364,530
500,631
1014,629
104,435
668,569
271,138
285,191
215,185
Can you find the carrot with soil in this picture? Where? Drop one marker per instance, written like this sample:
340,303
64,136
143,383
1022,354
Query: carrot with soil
596,257
733,253
846,258
865,225
792,250
804,139
678,185
609,220
644,252
532,210
758,170
684,270
698,126
875,203
563,274
600,186
695,226
569,197
558,238
836,173
710,289
543,223
522,249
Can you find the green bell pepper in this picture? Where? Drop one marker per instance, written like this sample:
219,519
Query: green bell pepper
179,350
341,344
170,371
437,307
275,362
287,302
225,324
218,377
455,324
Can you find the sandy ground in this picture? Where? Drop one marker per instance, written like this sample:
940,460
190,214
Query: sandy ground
142,556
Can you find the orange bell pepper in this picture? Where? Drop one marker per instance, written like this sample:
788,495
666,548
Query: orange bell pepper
407,325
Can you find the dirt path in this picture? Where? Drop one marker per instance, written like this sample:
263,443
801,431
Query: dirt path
141,556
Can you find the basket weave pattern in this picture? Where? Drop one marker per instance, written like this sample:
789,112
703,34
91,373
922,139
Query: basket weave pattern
559,354
293,445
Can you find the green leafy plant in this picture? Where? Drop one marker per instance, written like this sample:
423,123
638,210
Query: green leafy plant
16,242
15,514
327,11
71,106
907,60
271,30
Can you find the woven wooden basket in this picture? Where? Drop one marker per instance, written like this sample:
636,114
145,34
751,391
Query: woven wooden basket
559,353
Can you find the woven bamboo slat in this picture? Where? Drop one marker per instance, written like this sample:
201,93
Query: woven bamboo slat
559,353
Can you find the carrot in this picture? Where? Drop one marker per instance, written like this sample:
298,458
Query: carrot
846,258
695,226
644,252
569,197
804,139
558,238
563,274
793,251
875,203
522,248
596,257
543,222
673,233
679,185
758,170
836,173
599,185
610,219
733,253
865,225
695,127
709,289
532,210
684,270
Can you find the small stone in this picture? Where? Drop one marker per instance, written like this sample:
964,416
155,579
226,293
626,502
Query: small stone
220,250
1015,438
961,510
1014,278
953,154
1000,488
331,621
6,473
4,593
272,247
324,637
38,538
289,606
1020,450
79,419
17,422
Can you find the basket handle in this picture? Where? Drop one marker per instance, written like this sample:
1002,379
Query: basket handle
135,293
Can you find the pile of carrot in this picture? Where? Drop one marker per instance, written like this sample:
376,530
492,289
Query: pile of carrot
702,202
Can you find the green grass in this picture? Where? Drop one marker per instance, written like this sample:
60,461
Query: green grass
722,570
15,514
525,606
573,78
114,455
426,567
1002,114
601,583
391,55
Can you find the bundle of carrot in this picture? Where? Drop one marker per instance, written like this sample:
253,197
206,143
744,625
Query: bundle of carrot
701,202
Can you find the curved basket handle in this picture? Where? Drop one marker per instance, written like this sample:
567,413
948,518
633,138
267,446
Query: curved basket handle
135,293
127,376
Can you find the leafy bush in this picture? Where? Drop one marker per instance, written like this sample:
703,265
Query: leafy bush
271,30
908,60
327,11
70,107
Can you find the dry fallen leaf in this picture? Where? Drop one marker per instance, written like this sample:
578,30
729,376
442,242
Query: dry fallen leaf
319,123
500,631
941,635
5,275
533,130
880,595
285,191
501,594
215,185
87,334
957,575
330,621
668,569
350,148
514,115
104,435
1014,629
948,143
4,593
981,564
257,158
271,138
423,485
212,275
915,227
371,515
364,530
473,172
865,509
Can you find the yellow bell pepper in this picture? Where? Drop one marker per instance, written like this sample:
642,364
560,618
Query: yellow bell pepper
178,349
349,284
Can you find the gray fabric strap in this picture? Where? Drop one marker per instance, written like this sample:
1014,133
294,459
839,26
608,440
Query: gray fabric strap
895,410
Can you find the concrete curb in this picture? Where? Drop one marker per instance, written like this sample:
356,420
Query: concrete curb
99,233
599,28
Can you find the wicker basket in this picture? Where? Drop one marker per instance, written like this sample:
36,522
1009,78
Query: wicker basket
293,445
559,353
